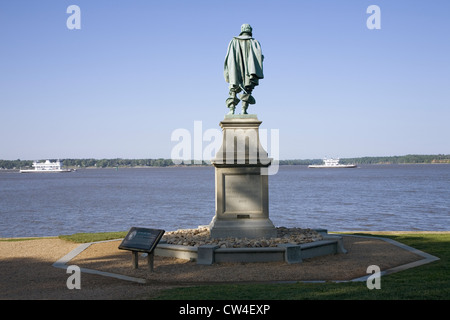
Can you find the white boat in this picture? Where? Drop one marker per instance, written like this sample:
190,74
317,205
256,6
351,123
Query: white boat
46,166
332,163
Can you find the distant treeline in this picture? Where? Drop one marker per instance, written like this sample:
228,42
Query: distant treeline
104,163
408,159
93,163
112,163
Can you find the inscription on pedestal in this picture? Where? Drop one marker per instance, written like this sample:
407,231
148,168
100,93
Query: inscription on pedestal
242,193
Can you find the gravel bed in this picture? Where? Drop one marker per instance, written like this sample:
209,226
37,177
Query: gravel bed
201,236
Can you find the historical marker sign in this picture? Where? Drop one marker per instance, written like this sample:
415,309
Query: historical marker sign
141,239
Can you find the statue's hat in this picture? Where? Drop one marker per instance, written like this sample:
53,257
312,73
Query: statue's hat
246,28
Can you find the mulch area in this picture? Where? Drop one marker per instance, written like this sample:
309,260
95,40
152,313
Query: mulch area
27,273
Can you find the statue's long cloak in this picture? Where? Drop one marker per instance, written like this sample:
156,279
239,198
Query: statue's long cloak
244,62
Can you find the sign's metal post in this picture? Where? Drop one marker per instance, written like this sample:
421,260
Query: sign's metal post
135,259
150,261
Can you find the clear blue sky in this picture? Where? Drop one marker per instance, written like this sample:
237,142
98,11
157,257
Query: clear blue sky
138,70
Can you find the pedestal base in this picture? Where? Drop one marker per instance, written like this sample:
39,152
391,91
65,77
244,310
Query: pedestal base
242,188
242,228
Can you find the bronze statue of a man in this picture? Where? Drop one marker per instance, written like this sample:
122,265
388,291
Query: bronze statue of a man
243,68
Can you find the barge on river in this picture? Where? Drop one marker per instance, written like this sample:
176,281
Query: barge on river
331,163
45,167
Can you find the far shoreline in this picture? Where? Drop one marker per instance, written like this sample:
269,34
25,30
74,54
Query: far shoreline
210,165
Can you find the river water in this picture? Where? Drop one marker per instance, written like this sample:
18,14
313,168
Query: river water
371,198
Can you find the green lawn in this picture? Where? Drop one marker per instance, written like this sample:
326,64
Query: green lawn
93,237
79,237
427,282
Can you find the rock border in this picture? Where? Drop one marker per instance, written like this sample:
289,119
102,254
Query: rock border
291,245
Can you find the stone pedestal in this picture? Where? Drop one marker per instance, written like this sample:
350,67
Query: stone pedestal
242,195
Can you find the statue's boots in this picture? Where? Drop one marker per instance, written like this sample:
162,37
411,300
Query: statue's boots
244,107
231,110
246,99
231,102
